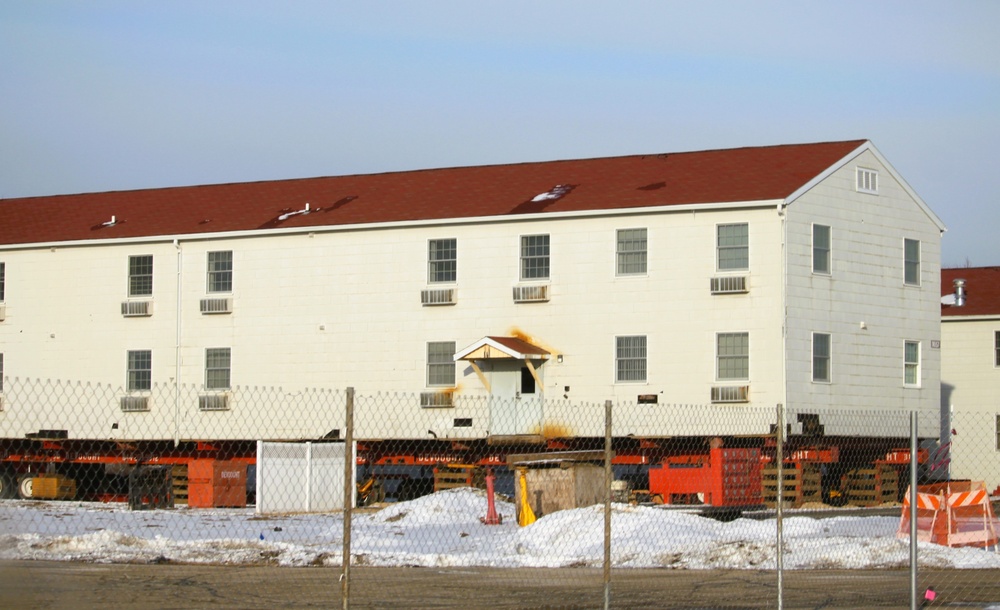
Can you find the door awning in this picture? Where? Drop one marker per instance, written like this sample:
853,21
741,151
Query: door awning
502,348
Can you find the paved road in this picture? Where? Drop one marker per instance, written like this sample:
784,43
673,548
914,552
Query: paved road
81,586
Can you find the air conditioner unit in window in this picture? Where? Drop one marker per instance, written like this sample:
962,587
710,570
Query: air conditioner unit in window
531,294
731,393
436,399
729,284
213,402
438,296
209,306
135,309
135,403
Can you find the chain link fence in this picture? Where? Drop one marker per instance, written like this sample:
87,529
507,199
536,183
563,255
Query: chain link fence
515,491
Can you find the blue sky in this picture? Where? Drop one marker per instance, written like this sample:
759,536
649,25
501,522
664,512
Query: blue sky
109,95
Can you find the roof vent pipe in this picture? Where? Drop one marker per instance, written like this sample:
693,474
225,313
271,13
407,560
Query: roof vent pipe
959,292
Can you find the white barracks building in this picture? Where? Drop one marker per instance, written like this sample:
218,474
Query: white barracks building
806,275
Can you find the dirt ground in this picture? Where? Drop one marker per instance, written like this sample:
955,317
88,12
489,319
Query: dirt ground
80,586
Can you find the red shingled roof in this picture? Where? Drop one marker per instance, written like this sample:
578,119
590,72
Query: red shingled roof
713,176
982,289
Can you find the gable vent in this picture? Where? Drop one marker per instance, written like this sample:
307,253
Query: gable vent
729,284
134,403
438,296
531,294
210,306
731,393
213,402
135,309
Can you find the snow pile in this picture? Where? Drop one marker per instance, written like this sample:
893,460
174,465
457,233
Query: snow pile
444,529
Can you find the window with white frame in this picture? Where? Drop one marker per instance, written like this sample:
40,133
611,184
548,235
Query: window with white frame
867,181
139,367
1,372
732,356
821,249
911,262
220,271
733,244
440,364
534,257
2,272
630,358
996,343
821,357
631,251
911,363
442,260
997,431
218,371
140,275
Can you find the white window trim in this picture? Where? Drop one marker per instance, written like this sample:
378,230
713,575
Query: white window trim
427,366
829,250
618,253
229,368
996,349
718,378
872,176
829,359
430,279
996,431
209,272
718,248
521,257
919,364
614,374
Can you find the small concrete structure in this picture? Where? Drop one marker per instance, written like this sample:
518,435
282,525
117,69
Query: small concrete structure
560,480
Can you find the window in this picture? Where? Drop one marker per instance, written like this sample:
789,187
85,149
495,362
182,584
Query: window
140,276
911,375
140,370
867,181
1,373
631,251
217,368
534,257
442,264
996,343
821,357
734,247
220,271
733,355
441,363
821,249
911,262
630,358
997,426
2,265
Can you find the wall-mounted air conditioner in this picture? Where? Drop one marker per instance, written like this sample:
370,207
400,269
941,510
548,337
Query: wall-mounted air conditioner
438,296
213,402
531,294
135,309
729,284
436,399
212,306
134,403
731,393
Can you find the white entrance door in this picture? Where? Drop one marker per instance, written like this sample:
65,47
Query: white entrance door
515,401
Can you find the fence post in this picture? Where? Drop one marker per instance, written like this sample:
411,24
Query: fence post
913,510
608,478
349,467
779,457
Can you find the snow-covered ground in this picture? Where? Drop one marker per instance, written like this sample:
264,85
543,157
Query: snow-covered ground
444,529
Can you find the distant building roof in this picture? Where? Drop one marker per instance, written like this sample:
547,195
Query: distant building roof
614,183
982,290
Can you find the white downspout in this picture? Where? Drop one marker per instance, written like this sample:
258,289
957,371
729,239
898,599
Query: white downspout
782,213
177,351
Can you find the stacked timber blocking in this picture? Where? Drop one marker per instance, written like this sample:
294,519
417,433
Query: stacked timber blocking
803,483
872,486
179,475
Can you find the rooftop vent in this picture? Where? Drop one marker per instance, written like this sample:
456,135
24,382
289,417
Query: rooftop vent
557,191
959,292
